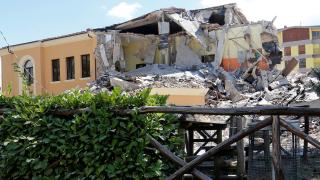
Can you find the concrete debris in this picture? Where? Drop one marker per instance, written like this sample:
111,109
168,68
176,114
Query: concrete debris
225,88
123,84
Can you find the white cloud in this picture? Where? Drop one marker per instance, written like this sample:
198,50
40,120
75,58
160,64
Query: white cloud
124,10
288,12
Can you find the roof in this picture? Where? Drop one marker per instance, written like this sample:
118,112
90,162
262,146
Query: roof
49,39
292,27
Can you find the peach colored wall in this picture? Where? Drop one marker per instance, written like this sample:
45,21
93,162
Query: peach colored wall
10,77
61,52
43,54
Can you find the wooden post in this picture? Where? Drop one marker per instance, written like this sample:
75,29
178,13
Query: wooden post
164,151
306,131
266,144
240,152
241,134
217,159
190,142
276,151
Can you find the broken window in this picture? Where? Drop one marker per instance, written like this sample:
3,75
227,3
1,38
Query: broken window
70,68
287,51
207,58
28,72
302,63
140,66
217,18
315,34
85,65
302,49
56,70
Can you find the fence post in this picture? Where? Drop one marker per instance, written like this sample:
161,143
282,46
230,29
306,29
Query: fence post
240,151
218,159
190,142
306,131
276,151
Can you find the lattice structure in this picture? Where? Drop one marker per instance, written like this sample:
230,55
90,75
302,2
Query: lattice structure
295,164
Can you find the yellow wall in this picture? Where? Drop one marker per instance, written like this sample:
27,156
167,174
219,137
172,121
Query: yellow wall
42,55
311,49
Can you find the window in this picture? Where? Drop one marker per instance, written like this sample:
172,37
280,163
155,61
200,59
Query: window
315,34
70,67
28,72
140,66
287,51
302,63
56,70
85,65
207,58
302,49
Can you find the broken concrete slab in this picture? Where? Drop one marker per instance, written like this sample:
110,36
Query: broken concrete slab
124,85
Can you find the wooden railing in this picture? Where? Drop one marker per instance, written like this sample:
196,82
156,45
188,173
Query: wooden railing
274,113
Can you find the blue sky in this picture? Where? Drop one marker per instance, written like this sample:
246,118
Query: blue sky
23,21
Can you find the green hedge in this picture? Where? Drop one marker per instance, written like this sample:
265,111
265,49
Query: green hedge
100,144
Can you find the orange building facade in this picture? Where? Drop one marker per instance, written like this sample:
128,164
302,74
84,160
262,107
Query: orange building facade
49,66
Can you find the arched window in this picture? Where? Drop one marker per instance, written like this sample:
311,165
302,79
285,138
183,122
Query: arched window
28,72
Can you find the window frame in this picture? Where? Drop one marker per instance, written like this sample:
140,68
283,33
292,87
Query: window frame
85,66
302,49
315,35
70,68
55,68
28,72
287,51
303,62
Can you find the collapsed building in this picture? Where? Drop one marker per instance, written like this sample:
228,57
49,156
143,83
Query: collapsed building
219,35
218,47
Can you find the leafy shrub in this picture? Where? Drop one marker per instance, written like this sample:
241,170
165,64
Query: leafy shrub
99,144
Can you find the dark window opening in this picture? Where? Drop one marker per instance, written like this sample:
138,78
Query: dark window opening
85,65
217,18
302,49
28,72
153,29
70,68
287,51
207,58
140,66
117,66
315,34
56,70
302,63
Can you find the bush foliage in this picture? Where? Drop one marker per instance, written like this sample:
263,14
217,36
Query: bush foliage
98,144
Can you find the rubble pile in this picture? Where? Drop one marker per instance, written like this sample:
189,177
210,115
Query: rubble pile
280,90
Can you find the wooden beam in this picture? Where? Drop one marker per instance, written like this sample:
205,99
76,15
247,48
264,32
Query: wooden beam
190,143
240,152
276,151
300,134
260,110
305,145
218,159
168,154
241,134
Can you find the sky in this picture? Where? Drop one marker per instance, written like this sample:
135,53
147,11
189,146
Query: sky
23,21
